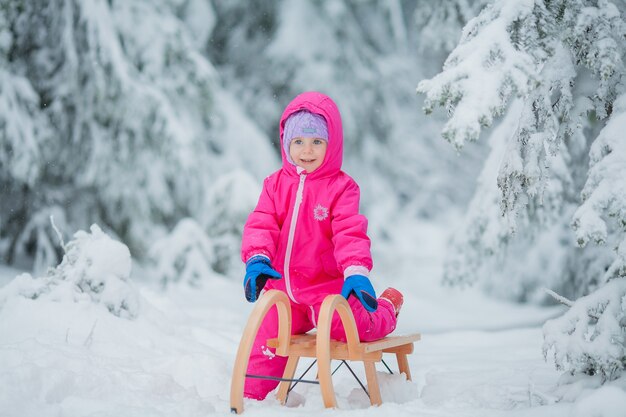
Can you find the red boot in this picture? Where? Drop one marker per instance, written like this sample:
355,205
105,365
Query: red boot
394,297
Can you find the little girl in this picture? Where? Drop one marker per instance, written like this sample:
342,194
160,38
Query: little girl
307,238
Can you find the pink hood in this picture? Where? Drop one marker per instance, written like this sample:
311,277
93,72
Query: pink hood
323,105
308,224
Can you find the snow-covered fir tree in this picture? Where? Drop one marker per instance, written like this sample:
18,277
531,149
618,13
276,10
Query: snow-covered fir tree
134,114
591,337
110,114
554,181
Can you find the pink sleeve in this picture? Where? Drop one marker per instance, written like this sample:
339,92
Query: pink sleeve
260,233
352,245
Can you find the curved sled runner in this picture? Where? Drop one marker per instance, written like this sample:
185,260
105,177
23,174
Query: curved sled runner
318,346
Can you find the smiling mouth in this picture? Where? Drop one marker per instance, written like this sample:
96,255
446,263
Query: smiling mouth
307,161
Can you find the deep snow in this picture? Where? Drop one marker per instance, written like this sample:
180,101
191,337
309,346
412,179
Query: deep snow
478,356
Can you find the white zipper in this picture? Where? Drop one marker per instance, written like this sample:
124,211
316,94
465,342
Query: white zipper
292,232
313,316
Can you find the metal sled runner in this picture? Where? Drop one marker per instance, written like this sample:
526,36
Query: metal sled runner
318,346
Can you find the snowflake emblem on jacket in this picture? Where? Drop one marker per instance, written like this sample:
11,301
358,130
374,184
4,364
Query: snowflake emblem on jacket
320,212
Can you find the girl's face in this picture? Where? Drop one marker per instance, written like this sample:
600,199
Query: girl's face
308,153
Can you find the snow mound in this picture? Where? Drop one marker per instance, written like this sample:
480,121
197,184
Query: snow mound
95,269
607,401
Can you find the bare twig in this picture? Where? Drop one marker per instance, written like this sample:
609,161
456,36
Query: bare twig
59,235
566,301
89,339
559,298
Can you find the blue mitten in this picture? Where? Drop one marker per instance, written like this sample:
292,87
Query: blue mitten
360,286
258,271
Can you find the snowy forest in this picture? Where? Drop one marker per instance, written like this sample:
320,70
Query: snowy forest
487,138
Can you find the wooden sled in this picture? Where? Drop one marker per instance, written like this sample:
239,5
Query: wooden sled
318,346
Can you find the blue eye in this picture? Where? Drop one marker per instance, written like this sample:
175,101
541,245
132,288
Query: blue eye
317,142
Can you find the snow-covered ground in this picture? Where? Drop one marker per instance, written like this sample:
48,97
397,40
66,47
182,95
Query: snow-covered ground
478,357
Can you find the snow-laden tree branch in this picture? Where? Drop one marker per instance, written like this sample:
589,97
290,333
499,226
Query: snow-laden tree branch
590,337
533,50
564,61
482,73
601,218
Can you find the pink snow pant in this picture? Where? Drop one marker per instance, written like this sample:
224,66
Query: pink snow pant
263,361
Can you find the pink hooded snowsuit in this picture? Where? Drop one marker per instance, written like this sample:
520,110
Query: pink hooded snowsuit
309,226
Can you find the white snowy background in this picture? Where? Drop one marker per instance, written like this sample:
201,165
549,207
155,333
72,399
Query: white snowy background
144,129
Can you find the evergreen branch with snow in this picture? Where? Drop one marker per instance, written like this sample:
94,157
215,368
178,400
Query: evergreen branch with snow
575,54
590,338
533,50
601,218
482,73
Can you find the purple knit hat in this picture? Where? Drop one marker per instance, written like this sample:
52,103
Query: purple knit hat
303,124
